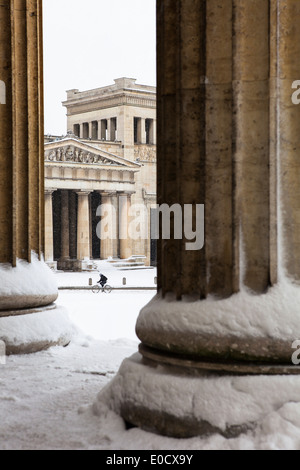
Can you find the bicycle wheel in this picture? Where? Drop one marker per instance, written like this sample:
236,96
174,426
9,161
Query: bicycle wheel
107,289
96,289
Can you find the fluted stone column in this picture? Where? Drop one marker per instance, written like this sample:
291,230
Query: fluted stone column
29,321
228,138
125,242
108,137
49,248
220,100
288,142
143,131
108,228
99,130
81,131
83,226
115,209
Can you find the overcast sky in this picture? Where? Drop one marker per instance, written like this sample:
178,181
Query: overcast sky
89,43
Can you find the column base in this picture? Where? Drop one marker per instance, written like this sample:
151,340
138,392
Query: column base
29,319
52,265
185,402
245,327
33,330
75,265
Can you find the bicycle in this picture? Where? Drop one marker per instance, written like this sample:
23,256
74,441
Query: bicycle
97,288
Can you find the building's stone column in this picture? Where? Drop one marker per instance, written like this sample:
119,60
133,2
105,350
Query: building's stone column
143,131
103,124
288,142
27,289
108,135
83,226
49,248
91,226
125,242
65,226
90,136
81,131
115,209
108,226
99,130
229,139
154,132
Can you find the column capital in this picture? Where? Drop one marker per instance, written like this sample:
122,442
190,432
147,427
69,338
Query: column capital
107,193
49,191
83,193
126,193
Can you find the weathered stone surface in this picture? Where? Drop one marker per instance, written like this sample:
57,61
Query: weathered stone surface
11,304
180,427
221,365
183,402
228,137
221,348
22,187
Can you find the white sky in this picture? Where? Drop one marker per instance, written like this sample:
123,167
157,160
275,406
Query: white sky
89,43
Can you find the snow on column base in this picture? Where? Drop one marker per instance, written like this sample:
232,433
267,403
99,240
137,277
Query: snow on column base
179,403
244,327
27,285
29,331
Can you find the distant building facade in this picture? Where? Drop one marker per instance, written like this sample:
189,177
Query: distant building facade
100,179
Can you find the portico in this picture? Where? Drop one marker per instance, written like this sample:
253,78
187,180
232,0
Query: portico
79,179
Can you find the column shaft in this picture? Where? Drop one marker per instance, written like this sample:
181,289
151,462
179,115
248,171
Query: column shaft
108,227
49,249
251,145
83,227
288,72
143,131
81,131
99,130
227,124
115,208
21,132
27,291
228,138
125,242
108,136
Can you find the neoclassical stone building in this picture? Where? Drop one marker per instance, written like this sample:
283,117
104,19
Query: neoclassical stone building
108,158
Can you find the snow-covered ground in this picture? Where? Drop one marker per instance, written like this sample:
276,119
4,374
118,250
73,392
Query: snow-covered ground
46,399
144,277
106,316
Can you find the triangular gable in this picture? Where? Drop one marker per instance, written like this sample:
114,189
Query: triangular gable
72,150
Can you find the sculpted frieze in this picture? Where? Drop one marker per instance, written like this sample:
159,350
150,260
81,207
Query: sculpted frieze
76,155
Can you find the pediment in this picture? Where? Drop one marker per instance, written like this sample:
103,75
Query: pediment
74,151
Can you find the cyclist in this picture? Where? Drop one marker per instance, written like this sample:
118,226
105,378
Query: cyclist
103,280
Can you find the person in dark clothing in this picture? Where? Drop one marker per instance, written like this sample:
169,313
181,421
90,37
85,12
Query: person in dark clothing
103,280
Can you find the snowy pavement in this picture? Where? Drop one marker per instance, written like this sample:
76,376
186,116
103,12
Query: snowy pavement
46,399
